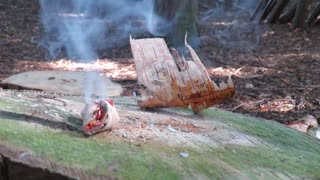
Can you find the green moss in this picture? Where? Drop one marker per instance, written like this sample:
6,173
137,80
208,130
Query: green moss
282,148
282,151
89,153
274,133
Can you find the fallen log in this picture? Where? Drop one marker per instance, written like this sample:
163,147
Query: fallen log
169,80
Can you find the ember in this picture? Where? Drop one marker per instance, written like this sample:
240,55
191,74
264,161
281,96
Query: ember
100,112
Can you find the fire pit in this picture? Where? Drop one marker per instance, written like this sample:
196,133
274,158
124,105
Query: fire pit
99,116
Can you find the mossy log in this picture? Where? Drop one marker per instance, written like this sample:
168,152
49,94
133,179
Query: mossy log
219,144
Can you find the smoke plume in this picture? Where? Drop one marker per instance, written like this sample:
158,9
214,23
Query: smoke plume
81,27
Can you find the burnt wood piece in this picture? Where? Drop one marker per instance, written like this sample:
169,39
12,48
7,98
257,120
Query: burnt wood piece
171,81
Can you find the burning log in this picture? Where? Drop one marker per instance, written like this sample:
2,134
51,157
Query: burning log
169,80
99,116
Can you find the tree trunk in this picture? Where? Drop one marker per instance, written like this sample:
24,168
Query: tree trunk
173,19
260,6
288,15
301,14
268,8
277,10
314,14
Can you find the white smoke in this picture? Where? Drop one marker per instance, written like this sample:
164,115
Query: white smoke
229,25
82,27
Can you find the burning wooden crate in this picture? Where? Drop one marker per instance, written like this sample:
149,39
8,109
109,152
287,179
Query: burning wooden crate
169,80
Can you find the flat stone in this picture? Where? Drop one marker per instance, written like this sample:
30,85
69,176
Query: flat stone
184,154
310,120
172,129
64,82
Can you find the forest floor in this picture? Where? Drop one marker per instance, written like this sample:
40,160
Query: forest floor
275,69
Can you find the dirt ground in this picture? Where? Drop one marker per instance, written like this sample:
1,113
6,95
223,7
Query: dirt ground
275,69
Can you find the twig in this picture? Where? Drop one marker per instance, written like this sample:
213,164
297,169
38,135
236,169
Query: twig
238,70
243,104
